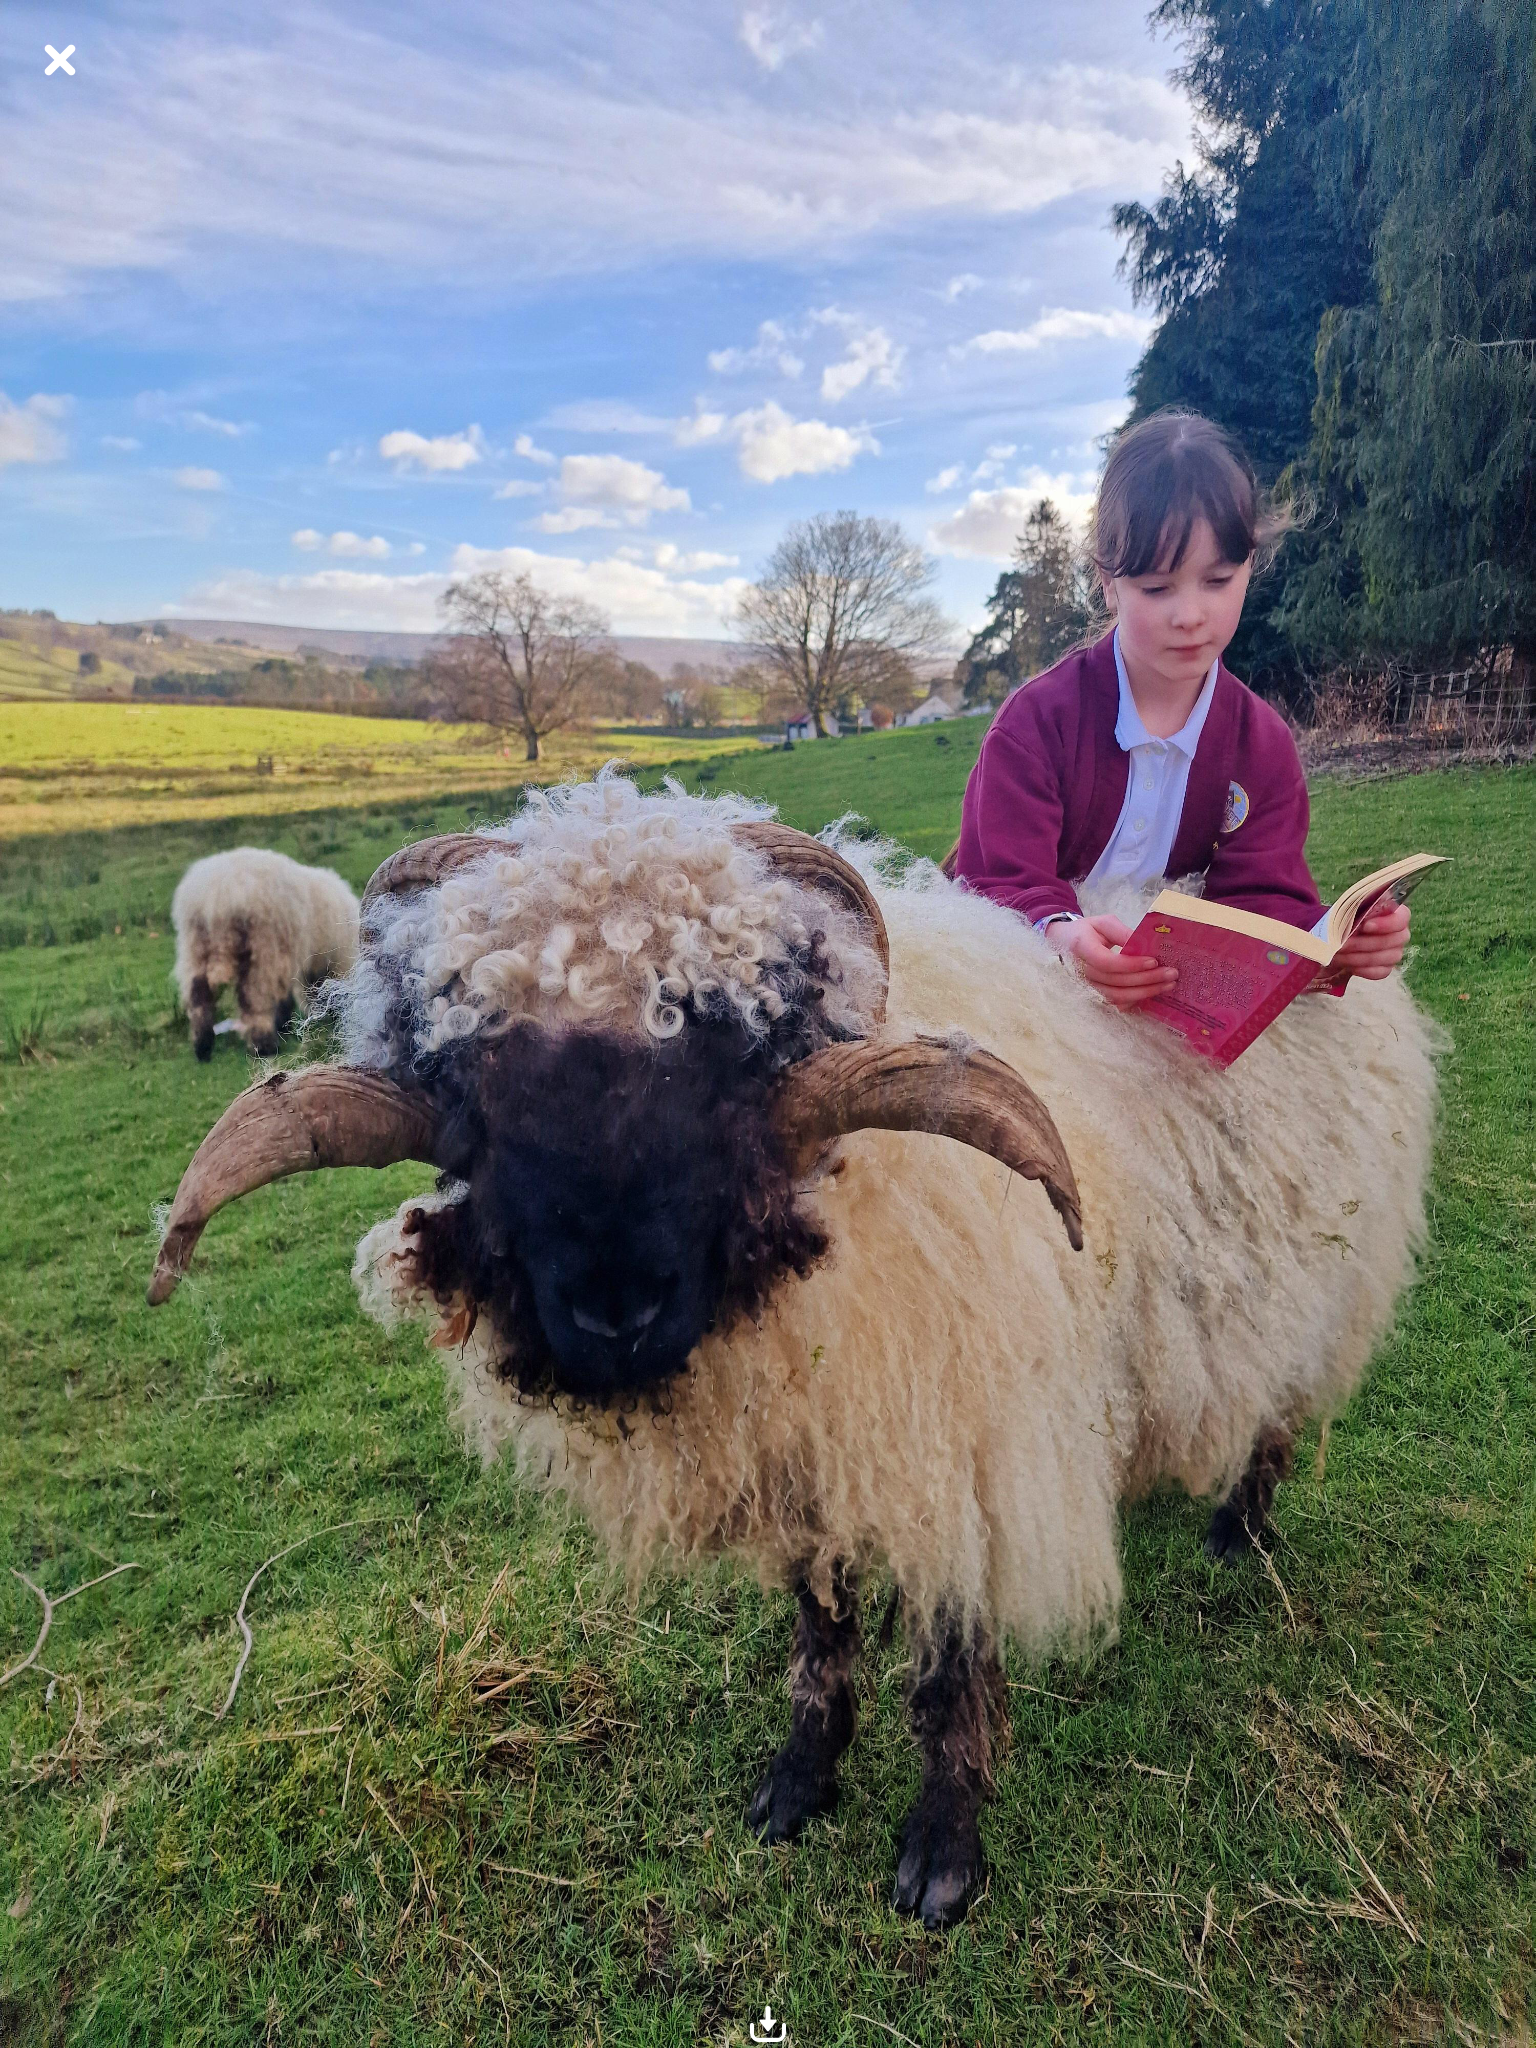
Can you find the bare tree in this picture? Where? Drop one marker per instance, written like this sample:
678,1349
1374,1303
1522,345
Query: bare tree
518,657
841,611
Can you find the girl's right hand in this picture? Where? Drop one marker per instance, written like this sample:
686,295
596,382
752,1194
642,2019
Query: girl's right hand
1124,979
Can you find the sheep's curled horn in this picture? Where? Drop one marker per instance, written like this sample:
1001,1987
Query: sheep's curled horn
340,1116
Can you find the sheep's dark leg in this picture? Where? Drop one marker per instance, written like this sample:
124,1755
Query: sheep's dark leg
802,1779
283,1015
1240,1519
956,1703
201,1004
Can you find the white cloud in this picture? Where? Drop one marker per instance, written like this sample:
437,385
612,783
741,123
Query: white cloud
442,451
232,430
672,558
989,522
171,411
771,444
609,490
123,443
771,37
638,596
967,281
342,543
946,478
518,487
190,479
606,416
870,356
771,351
28,432
991,464
524,446
251,141
1063,323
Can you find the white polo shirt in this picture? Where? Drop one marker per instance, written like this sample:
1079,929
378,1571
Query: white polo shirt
1142,841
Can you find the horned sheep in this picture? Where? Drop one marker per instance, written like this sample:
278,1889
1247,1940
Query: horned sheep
681,1071
266,925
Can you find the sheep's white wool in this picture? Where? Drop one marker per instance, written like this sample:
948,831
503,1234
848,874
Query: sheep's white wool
955,1395
599,905
263,921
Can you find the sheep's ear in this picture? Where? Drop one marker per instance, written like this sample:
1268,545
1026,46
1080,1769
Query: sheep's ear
291,1123
945,1086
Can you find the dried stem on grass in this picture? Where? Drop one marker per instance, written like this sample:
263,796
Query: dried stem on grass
244,1626
49,1607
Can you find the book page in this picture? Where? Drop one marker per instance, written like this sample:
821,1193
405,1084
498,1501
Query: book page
1400,879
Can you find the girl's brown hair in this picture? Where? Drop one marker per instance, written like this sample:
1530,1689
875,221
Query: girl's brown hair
1163,476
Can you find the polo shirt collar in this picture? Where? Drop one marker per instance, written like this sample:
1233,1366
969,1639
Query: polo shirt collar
1129,730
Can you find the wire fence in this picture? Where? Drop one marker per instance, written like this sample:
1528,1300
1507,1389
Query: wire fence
1484,704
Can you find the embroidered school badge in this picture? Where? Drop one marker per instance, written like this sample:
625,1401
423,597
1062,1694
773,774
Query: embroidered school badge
1237,807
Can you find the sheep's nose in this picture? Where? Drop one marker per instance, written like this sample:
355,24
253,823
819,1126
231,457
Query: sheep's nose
631,1325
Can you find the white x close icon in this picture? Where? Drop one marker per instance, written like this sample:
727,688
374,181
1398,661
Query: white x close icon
60,60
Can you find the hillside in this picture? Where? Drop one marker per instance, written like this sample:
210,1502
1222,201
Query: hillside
658,652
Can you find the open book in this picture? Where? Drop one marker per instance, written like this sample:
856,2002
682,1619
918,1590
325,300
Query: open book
1238,971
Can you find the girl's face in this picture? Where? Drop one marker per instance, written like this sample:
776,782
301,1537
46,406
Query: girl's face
1175,622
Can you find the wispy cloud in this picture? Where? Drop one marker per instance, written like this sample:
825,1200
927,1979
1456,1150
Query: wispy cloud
191,479
1063,323
232,146
946,479
519,487
30,432
870,356
441,452
773,36
342,543
166,409
121,444
771,351
525,447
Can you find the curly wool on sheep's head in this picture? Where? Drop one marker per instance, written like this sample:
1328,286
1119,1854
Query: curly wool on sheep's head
598,906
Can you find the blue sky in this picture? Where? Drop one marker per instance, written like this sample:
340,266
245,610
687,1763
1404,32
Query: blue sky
305,310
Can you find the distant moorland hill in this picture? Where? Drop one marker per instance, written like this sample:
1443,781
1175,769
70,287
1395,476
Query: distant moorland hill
657,652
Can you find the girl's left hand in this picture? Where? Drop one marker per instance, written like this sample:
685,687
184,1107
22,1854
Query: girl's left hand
1376,945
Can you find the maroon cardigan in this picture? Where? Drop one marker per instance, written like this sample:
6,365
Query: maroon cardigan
1049,784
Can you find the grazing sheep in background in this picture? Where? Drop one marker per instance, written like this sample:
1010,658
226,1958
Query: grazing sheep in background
697,1261
266,924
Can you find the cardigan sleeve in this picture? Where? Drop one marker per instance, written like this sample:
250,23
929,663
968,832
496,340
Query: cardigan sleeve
1261,864
1012,817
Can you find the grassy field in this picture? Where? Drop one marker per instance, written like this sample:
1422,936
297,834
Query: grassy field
68,767
465,1793
50,672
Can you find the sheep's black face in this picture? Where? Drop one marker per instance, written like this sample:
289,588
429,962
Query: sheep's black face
623,1201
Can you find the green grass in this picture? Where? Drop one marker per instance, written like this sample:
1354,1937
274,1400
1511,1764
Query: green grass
466,1793
67,767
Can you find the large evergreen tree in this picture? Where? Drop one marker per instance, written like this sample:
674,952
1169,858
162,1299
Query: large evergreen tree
1245,252
1348,282
1423,454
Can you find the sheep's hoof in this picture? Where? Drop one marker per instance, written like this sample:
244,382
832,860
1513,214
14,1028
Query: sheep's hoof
941,1862
1227,1540
264,1044
202,1045
795,1790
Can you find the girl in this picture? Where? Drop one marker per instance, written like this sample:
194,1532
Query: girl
1142,755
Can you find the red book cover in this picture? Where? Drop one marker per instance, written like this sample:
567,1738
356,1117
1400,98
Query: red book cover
1238,971
1232,984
